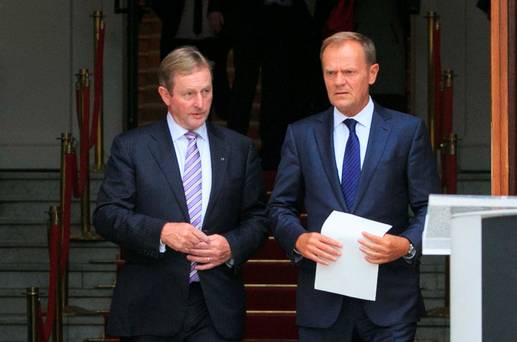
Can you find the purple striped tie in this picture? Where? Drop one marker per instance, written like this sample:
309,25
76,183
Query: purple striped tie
192,186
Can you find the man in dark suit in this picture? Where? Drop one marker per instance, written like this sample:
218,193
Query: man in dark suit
375,166
197,23
183,198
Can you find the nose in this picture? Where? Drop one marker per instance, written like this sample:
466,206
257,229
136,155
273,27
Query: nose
198,101
340,79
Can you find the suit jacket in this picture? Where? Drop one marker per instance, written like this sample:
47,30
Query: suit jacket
141,191
398,171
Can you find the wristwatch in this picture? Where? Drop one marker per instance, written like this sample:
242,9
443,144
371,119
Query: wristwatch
411,252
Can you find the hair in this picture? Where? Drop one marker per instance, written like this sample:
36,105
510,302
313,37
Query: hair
183,61
340,37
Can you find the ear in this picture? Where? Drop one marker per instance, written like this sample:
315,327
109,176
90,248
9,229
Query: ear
372,75
165,95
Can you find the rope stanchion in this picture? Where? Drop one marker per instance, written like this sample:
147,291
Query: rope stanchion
84,132
33,314
40,326
449,160
437,81
97,134
54,274
81,188
431,21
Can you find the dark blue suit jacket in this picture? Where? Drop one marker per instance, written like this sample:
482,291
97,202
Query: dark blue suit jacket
141,191
398,173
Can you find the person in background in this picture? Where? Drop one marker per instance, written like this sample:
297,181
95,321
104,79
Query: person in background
195,22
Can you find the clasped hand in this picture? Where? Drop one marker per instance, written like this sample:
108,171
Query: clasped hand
208,251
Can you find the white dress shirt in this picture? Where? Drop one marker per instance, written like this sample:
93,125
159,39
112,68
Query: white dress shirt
180,146
341,133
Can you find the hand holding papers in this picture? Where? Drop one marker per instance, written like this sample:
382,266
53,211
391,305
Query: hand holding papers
350,275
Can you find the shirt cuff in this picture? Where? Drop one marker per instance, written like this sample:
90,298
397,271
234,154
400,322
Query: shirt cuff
230,263
297,256
162,247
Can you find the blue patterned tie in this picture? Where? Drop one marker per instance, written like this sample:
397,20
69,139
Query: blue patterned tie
351,165
192,187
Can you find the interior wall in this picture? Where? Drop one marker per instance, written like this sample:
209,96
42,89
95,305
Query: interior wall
42,46
465,37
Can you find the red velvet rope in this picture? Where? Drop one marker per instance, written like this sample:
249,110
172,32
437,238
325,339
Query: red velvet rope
447,111
70,179
449,162
438,115
97,100
45,325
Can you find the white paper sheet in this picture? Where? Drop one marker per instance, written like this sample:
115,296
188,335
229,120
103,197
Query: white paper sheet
350,275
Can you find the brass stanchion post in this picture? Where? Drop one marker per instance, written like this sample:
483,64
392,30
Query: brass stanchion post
98,23
431,21
57,334
66,142
32,296
85,198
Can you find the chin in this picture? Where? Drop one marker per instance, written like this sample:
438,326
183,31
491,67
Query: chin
196,123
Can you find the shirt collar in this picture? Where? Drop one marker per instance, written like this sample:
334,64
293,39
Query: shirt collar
178,132
364,117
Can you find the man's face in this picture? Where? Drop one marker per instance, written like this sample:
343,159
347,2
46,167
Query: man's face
190,99
347,76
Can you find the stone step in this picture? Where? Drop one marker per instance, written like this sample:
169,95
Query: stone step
93,300
12,210
432,329
13,327
37,186
80,252
24,232
80,276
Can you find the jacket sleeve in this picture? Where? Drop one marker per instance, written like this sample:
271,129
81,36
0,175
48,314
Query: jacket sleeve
422,178
252,228
284,205
115,217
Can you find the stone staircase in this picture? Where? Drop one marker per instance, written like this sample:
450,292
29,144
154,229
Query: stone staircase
270,279
25,198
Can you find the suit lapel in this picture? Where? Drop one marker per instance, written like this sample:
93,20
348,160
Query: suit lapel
324,134
379,134
163,152
219,154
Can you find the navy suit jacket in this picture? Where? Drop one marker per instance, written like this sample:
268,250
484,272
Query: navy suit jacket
141,191
398,173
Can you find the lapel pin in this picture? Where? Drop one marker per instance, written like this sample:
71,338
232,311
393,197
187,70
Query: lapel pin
222,158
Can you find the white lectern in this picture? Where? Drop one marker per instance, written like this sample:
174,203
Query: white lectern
480,234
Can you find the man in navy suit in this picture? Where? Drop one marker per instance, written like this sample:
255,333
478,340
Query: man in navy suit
377,166
183,198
